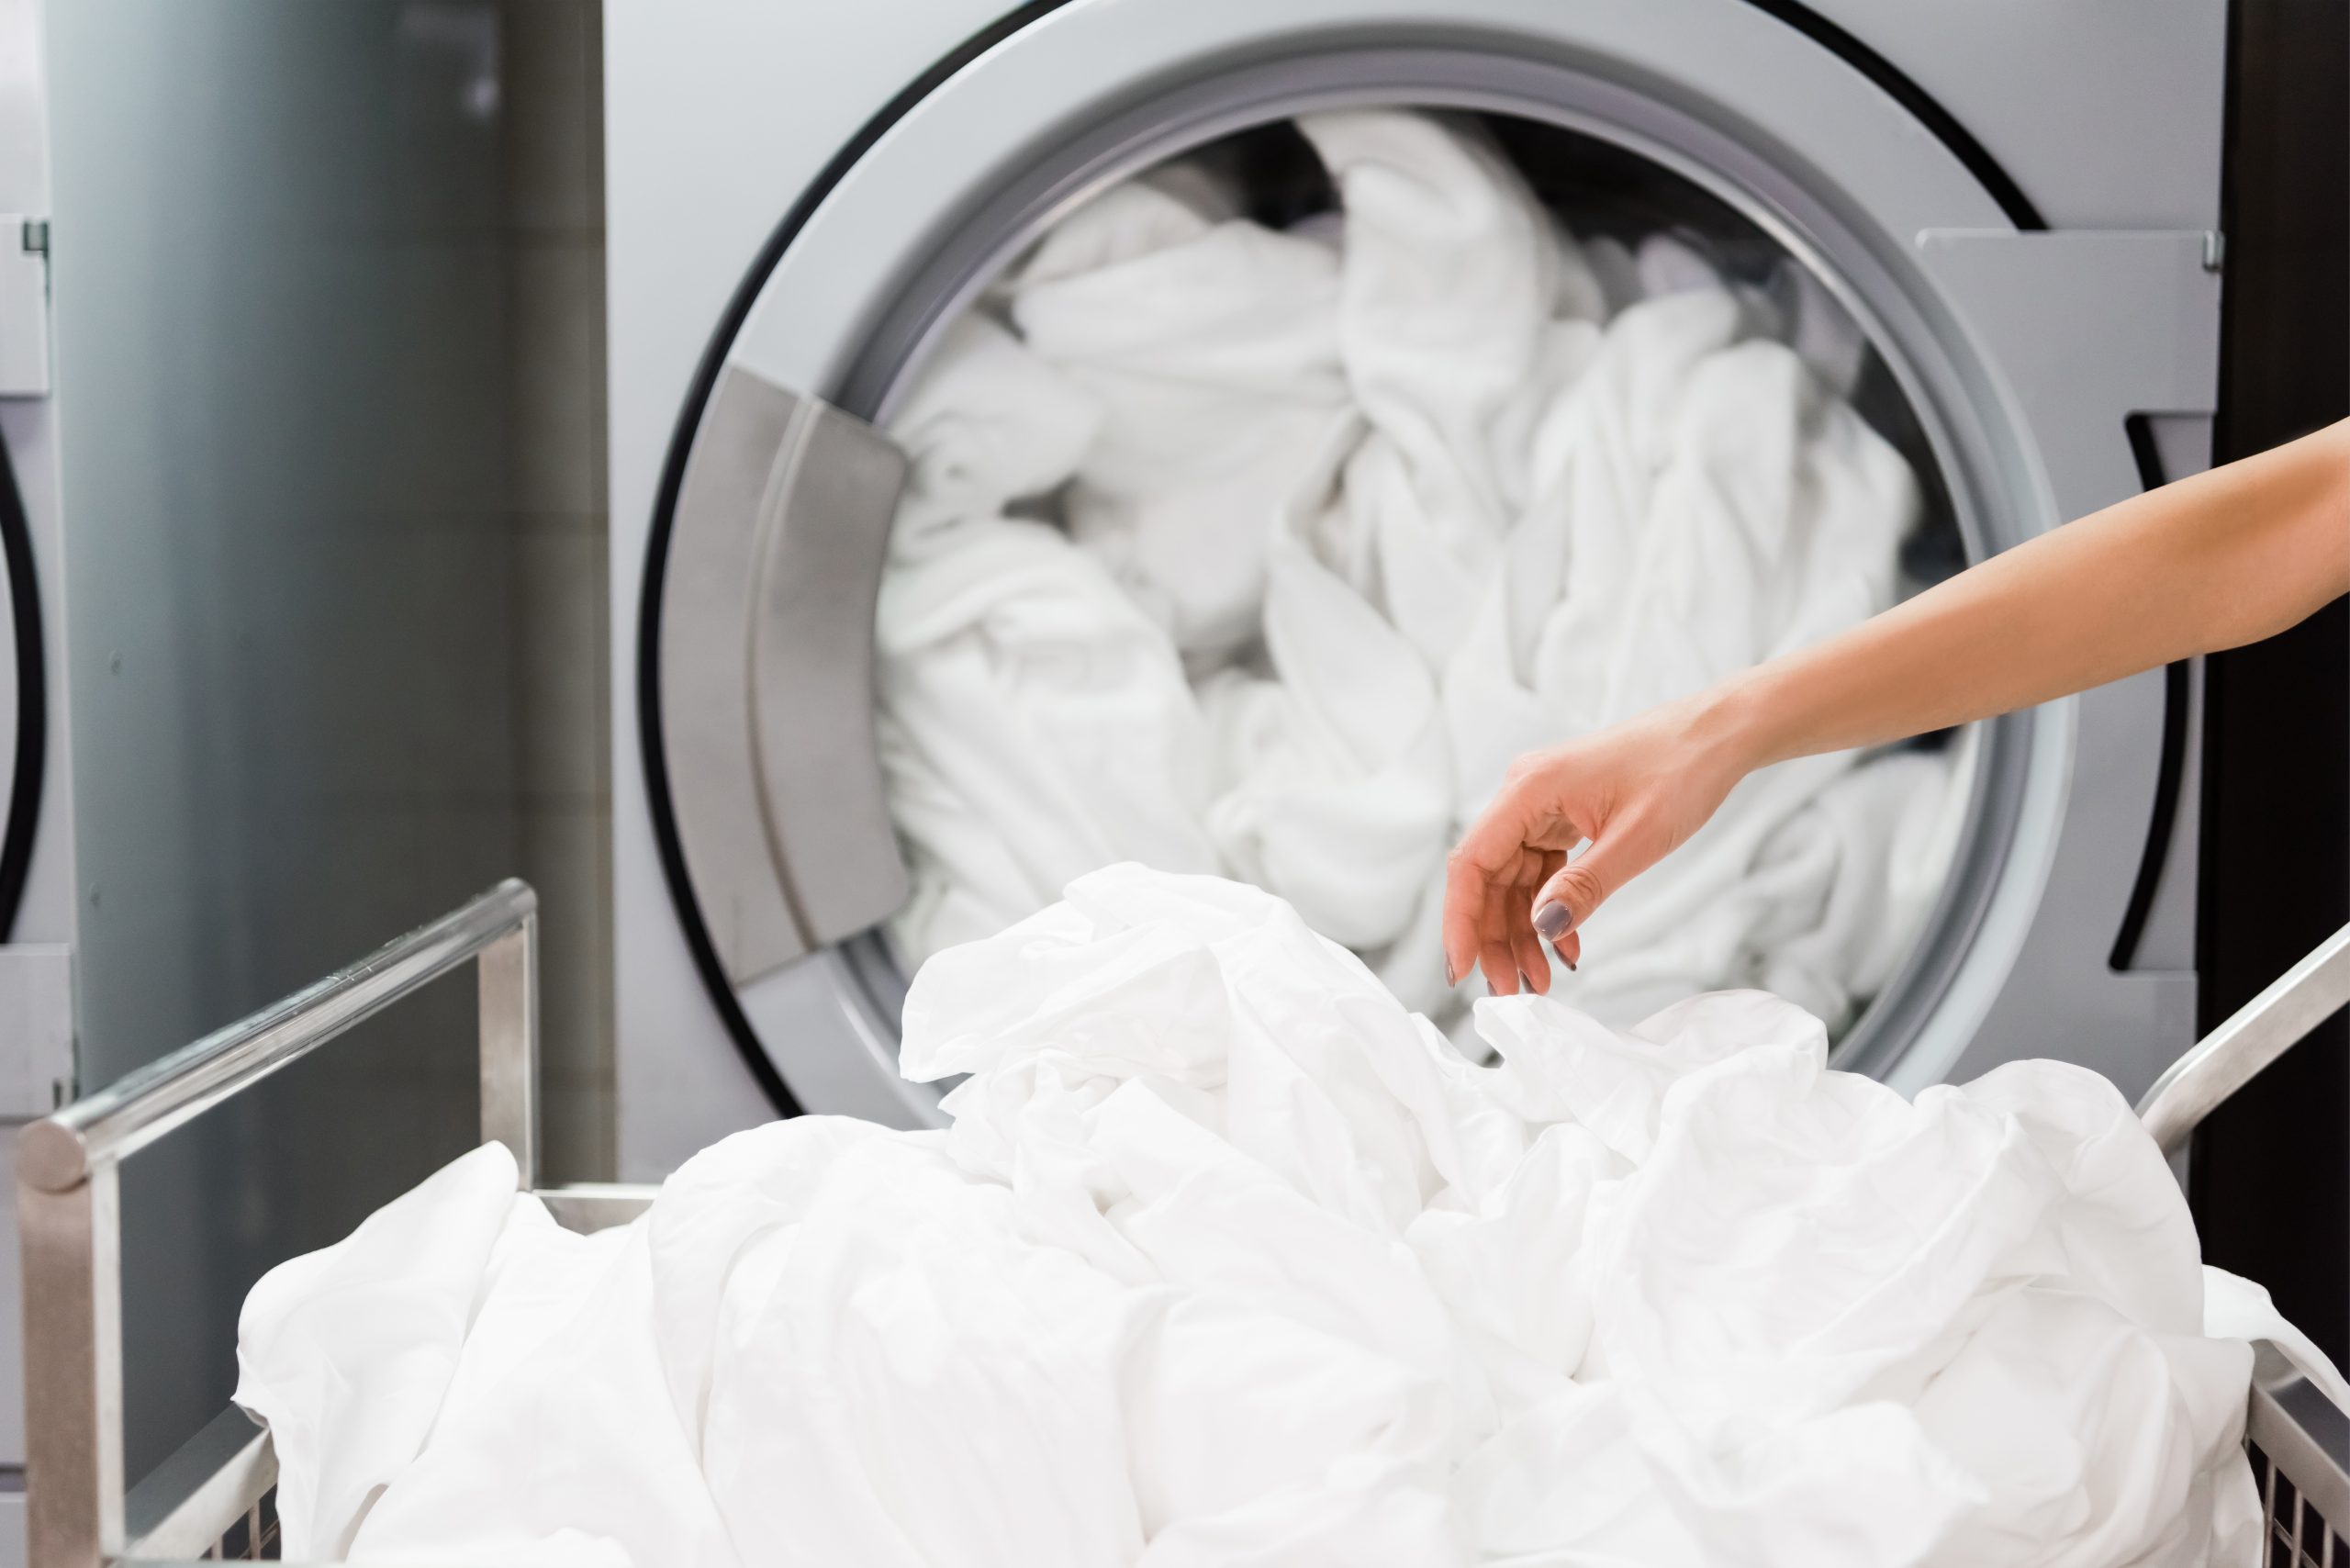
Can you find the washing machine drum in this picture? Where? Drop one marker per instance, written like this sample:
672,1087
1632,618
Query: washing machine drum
1221,435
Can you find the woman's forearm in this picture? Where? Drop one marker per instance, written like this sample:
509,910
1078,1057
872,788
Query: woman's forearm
2211,562
2225,558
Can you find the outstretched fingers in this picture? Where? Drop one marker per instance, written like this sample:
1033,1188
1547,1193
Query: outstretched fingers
1507,952
1489,879
1496,950
1479,878
1626,796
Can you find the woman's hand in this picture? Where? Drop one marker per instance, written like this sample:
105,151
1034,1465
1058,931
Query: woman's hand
1635,791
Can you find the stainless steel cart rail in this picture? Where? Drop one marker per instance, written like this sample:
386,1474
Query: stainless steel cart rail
214,1498
213,1495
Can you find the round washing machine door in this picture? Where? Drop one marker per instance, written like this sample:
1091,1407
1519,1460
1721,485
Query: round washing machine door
757,642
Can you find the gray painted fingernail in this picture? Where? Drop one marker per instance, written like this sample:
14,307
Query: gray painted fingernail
1450,977
1552,919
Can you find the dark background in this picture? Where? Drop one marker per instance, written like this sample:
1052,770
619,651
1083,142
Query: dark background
2270,1178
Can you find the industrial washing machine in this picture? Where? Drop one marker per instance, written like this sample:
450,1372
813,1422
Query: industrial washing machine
2018,204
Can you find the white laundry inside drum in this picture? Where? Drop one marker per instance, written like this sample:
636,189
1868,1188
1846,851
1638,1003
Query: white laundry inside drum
1260,547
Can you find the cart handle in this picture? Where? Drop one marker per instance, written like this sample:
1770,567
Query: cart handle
67,1191
2262,1030
58,1152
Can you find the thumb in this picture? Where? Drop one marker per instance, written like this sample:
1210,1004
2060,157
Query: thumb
1568,896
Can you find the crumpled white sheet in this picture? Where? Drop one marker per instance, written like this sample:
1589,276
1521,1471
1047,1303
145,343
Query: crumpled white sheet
1349,516
1226,1258
1033,722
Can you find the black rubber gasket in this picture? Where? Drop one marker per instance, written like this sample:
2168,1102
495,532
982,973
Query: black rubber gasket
2170,778
1928,112
2170,784
1938,121
32,698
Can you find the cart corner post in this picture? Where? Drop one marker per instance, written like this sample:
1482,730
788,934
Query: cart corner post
69,1215
508,982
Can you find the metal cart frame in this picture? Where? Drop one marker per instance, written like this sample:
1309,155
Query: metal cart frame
209,1497
213,1498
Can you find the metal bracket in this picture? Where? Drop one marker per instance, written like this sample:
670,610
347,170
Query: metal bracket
24,305
2088,326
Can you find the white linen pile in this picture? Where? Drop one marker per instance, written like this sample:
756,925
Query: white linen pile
1226,1258
1263,553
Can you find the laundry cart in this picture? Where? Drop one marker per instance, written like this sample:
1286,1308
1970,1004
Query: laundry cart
215,1497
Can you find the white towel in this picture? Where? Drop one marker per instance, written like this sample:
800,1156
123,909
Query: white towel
1033,722
1210,353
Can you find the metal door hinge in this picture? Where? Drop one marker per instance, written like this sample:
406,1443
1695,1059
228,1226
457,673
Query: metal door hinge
24,305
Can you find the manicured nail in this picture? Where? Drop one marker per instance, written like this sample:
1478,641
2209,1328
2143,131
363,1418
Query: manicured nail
1450,977
1552,919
